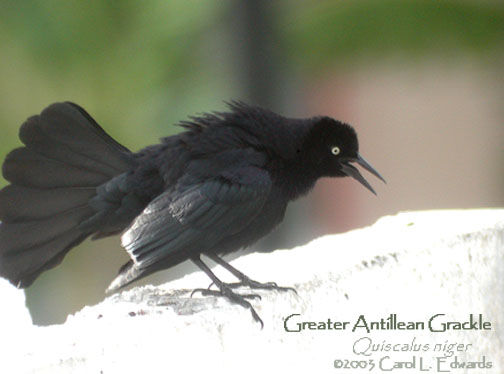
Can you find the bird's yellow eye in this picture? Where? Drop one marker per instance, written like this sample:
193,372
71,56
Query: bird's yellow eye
335,151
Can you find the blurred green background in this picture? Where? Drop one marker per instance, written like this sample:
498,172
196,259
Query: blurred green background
422,81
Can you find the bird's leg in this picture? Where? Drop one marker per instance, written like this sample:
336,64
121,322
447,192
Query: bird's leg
246,281
225,290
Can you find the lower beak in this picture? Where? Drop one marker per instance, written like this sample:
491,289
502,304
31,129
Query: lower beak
351,171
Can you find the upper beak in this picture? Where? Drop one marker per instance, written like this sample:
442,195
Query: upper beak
351,171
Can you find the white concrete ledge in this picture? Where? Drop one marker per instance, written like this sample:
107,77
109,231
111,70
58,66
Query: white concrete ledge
412,266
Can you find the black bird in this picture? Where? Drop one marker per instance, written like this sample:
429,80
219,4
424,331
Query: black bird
217,187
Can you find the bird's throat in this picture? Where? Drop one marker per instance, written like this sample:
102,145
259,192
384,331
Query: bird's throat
294,180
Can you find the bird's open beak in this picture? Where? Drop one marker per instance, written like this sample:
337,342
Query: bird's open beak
351,171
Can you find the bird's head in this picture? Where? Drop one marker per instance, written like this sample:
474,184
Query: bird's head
332,147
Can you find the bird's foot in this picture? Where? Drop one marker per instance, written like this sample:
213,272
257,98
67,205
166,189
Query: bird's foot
209,292
252,284
227,292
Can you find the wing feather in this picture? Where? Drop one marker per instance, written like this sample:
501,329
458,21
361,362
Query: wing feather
197,216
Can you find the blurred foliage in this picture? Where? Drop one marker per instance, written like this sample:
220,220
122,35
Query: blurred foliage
133,65
328,33
145,65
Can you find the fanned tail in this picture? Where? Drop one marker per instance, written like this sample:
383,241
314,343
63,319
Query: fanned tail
53,177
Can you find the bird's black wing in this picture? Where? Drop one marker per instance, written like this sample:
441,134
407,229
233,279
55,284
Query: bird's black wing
197,216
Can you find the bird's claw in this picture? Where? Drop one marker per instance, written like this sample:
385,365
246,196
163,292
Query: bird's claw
202,290
252,284
208,292
240,299
233,297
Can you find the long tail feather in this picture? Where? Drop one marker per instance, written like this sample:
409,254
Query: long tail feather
66,156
